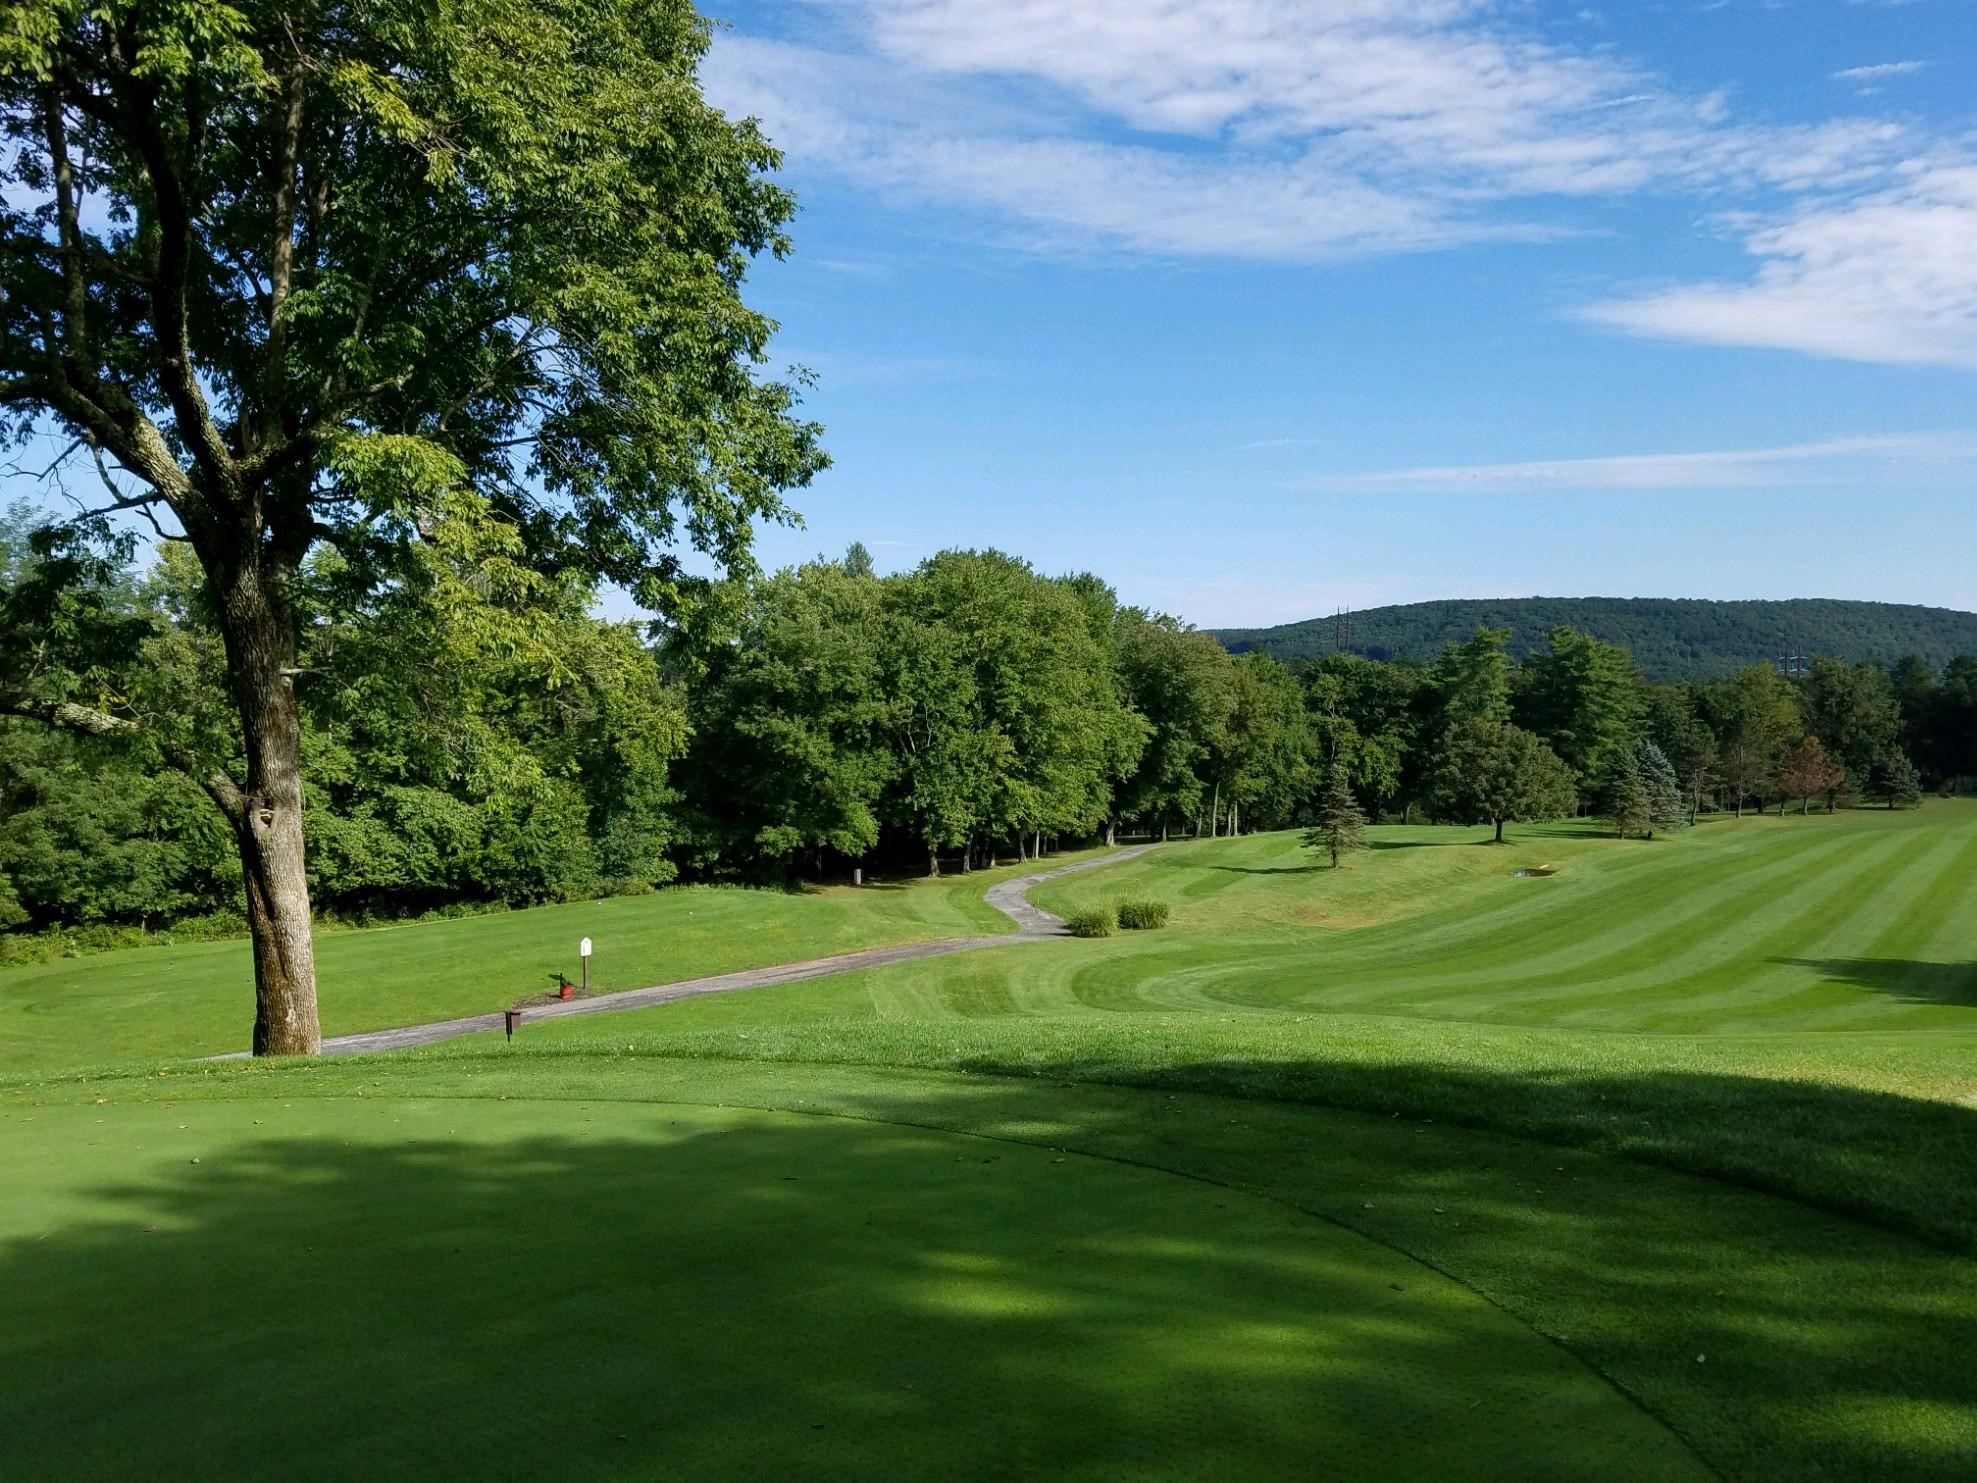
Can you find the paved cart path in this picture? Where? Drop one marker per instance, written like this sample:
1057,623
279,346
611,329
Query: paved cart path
1008,897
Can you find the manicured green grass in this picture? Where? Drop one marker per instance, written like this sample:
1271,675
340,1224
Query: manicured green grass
158,1003
543,1262
1662,1165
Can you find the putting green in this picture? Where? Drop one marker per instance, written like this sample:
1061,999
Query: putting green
386,1286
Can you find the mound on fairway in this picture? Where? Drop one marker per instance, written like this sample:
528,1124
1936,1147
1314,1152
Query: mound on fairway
390,1287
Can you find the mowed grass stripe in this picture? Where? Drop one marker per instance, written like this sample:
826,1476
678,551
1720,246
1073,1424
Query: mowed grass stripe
1725,988
1594,945
1695,898
1561,936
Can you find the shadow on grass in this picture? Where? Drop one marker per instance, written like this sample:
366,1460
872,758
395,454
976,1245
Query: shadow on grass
1904,1163
1267,869
718,1295
1915,980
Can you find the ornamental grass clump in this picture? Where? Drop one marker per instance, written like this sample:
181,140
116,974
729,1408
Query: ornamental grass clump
1142,916
1094,922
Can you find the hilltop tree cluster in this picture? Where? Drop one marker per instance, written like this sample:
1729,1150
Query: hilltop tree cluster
966,710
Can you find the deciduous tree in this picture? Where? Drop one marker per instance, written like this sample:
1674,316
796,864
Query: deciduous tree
1808,773
299,273
1496,773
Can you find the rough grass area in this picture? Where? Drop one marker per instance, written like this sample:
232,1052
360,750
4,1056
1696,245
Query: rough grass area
1090,921
157,1003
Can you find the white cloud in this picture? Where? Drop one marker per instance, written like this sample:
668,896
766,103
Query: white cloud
1303,131
1887,276
1261,129
1916,457
1876,71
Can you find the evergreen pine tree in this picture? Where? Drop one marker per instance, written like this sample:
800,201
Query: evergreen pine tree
1341,826
1624,796
1893,780
1667,811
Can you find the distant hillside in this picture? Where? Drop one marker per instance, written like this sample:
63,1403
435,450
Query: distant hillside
1671,638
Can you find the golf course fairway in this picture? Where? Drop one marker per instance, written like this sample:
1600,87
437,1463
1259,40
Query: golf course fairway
1661,1165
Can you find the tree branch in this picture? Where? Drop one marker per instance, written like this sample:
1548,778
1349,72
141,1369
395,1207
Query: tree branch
83,720
74,285
138,121
281,256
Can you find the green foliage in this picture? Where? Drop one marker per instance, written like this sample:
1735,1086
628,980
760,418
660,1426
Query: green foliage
1852,709
1180,681
1584,698
1623,795
1369,716
1495,773
1755,718
1341,827
1672,639
1093,921
1667,809
1473,678
1142,916
1893,781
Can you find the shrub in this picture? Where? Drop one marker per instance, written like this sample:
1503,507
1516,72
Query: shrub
1093,922
1142,916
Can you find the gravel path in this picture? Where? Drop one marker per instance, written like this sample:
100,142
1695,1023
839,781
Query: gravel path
1008,897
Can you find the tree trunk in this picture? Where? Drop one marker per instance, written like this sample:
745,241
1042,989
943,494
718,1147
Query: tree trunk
1111,833
933,858
266,815
1163,831
1215,812
1499,831
967,855
1037,853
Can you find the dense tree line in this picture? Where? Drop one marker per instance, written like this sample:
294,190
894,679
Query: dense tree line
474,735
1671,639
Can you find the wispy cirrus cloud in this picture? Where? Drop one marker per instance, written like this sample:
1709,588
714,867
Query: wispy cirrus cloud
1251,129
1294,132
1886,276
1878,71
1914,457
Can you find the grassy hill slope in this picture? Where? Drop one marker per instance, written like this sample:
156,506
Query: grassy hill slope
1671,638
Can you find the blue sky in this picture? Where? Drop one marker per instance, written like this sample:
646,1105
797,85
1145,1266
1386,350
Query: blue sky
1259,307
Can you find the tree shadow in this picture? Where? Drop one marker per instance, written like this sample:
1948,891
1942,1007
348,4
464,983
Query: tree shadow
1915,980
708,1294
637,1289
1270,869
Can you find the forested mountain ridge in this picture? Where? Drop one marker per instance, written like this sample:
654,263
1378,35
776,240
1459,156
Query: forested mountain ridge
1671,638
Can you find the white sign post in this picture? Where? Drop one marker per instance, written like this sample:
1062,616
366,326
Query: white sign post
583,951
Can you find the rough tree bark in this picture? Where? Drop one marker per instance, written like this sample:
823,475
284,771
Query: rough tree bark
258,628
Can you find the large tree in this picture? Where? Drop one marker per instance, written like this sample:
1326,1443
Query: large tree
1183,683
1755,717
1853,711
1490,772
1583,696
294,272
